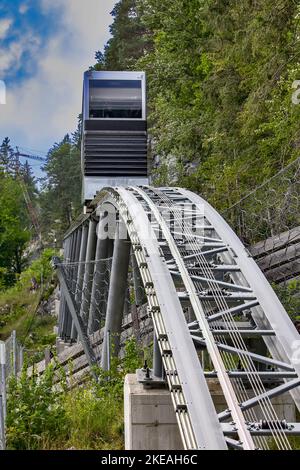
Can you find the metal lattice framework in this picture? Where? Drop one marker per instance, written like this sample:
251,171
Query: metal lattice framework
204,292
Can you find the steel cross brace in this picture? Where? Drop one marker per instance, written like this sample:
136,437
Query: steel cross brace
83,336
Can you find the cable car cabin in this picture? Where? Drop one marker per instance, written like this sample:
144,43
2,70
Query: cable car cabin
114,144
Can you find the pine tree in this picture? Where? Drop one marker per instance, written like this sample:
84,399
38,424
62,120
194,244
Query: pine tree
29,179
60,198
7,156
129,39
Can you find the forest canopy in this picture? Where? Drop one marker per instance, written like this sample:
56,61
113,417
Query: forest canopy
220,83
220,77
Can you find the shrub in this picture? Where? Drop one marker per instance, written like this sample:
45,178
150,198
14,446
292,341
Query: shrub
40,416
35,410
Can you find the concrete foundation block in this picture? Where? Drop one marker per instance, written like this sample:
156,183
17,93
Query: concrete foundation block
150,421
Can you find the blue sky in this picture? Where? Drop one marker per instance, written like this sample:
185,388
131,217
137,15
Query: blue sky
45,46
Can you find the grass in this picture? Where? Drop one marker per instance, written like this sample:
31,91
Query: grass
19,306
90,417
94,423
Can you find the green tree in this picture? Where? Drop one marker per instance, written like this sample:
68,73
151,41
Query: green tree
14,228
220,82
60,197
7,156
130,39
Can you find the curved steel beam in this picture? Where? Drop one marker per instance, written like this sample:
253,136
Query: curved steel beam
211,345
197,417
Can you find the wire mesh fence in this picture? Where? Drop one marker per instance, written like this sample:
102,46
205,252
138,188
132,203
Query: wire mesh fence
268,222
89,284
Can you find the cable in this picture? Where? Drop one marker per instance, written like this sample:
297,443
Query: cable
219,300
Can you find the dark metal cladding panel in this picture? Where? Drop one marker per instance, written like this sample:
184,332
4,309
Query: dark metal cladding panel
115,153
114,125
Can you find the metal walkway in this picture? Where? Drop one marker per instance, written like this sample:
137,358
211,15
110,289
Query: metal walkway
204,292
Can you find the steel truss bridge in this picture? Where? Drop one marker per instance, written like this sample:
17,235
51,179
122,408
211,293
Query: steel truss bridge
204,292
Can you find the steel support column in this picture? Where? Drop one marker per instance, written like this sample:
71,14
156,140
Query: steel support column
89,271
97,303
74,309
116,296
76,259
68,319
80,272
62,306
64,311
139,291
158,369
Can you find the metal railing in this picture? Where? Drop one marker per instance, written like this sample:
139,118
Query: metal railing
11,362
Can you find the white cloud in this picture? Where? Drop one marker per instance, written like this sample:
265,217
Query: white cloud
5,25
45,107
23,8
10,56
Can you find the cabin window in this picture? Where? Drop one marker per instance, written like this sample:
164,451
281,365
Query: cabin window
115,99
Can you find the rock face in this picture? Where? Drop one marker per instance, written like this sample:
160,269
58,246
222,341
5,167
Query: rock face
51,305
33,251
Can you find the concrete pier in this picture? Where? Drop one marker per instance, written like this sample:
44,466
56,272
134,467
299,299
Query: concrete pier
150,421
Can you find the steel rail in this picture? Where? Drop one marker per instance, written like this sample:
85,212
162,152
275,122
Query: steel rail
219,224
257,384
198,423
213,350
238,351
241,393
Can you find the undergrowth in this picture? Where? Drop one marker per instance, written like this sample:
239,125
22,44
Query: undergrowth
19,305
43,416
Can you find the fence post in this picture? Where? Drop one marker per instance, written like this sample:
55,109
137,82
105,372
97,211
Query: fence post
47,357
14,352
3,377
2,395
21,357
2,425
108,350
